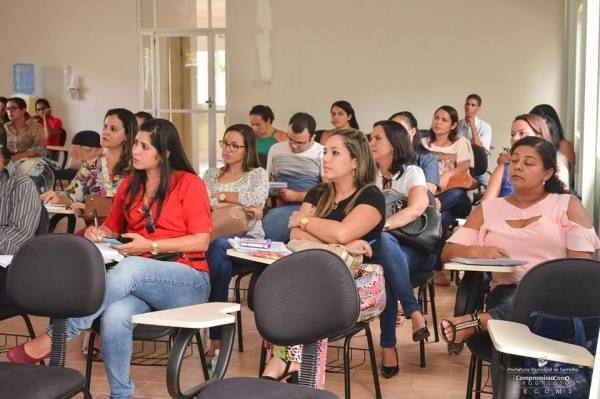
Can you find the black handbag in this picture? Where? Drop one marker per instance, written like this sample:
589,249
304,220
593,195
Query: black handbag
424,233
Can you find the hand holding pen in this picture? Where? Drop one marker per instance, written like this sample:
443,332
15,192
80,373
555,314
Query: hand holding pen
94,233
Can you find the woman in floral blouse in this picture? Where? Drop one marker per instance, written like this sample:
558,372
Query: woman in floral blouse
240,182
102,175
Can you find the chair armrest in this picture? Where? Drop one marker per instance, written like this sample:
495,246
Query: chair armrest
196,316
516,339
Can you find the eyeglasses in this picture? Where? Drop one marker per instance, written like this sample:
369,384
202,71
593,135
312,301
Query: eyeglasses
41,109
297,144
232,146
11,109
147,212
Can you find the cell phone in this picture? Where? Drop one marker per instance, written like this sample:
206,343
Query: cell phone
112,241
256,243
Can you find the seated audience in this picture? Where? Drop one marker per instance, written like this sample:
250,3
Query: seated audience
166,209
142,117
261,119
393,153
19,213
424,158
103,174
527,125
565,146
25,139
240,182
342,117
297,163
455,156
3,114
475,130
539,221
52,126
349,209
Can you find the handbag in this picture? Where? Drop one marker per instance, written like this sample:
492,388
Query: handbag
562,380
424,233
233,220
351,257
462,180
368,277
95,202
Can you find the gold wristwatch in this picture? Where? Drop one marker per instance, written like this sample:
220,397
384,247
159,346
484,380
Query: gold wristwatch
222,197
154,249
304,221
386,226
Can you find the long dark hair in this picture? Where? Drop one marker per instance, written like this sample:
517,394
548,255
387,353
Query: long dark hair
165,138
546,109
264,111
548,154
398,137
453,136
345,105
127,118
412,123
21,104
251,159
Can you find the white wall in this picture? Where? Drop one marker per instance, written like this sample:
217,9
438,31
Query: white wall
382,55
98,39
385,56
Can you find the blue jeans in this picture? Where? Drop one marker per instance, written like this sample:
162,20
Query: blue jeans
220,266
455,203
398,262
275,222
137,285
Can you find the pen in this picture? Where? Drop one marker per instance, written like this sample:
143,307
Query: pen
96,220
372,241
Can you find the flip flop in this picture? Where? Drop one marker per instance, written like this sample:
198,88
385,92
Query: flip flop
95,352
400,319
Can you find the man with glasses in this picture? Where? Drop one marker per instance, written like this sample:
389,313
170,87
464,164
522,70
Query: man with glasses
297,162
19,213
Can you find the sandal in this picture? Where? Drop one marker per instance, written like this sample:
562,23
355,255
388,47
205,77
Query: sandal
441,280
400,319
473,323
95,352
455,349
293,376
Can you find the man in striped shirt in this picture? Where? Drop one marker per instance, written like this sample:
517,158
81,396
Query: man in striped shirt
20,208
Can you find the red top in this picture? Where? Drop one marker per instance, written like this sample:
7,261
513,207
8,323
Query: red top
186,211
52,123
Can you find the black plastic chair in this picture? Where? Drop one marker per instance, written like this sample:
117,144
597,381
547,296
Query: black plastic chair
288,309
480,162
70,283
424,282
239,272
562,287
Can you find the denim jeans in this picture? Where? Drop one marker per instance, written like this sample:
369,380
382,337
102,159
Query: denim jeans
220,266
399,261
275,222
455,203
137,285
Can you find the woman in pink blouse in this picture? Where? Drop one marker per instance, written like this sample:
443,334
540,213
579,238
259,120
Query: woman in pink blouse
538,222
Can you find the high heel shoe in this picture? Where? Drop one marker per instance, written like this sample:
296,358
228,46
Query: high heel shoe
293,376
421,333
18,355
389,372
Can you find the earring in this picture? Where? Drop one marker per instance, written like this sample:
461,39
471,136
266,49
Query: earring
543,182
353,174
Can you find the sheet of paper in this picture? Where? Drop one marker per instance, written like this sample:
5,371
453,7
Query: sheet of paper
276,246
55,206
5,260
275,186
109,253
490,262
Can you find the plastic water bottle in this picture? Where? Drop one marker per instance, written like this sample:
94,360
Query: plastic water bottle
213,363
23,78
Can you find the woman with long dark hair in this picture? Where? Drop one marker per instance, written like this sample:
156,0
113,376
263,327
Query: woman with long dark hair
161,208
394,155
455,156
342,117
261,120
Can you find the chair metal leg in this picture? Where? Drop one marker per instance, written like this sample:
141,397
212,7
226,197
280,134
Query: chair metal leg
478,367
347,366
263,359
201,355
88,364
373,362
433,310
238,315
471,377
422,352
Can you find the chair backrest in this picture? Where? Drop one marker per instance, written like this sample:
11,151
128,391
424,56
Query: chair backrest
480,160
262,158
63,137
563,287
57,275
304,297
44,222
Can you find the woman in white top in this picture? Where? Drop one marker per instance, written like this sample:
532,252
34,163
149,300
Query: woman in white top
393,152
455,156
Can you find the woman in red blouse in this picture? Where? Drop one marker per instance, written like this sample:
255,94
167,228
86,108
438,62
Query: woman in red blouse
163,207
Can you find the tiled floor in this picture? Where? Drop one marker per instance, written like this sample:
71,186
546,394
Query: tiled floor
444,377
